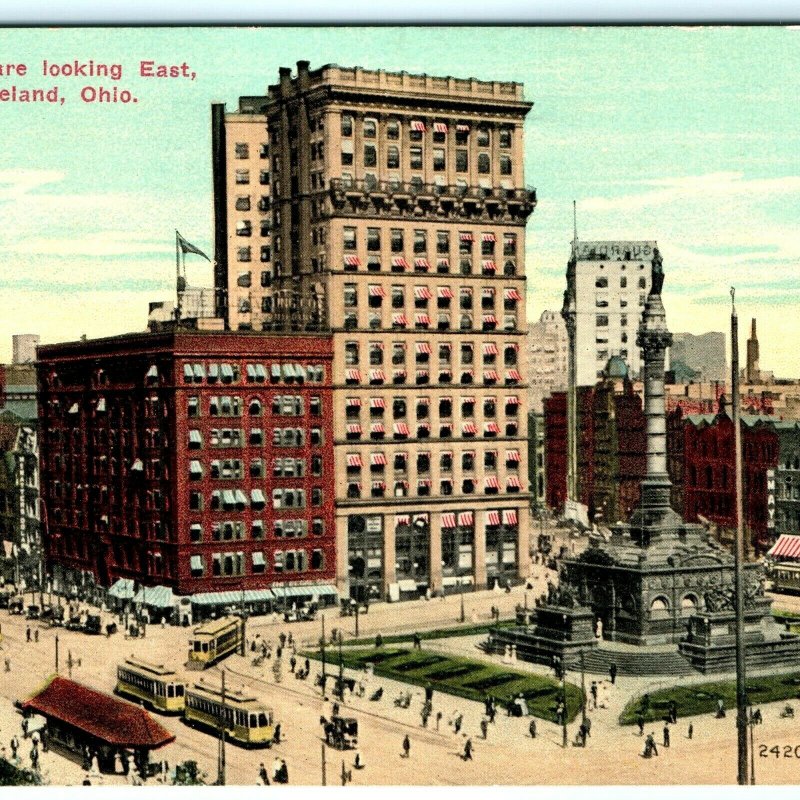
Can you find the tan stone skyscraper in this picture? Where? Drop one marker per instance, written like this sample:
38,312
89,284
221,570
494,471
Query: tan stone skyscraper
395,218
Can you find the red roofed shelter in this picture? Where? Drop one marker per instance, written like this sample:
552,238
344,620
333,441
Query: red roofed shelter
79,718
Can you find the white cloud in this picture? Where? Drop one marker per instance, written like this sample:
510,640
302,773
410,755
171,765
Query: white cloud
14,183
105,243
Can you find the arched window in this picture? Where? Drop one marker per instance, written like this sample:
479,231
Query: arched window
659,608
709,477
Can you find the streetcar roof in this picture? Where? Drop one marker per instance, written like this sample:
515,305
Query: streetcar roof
216,626
242,697
148,667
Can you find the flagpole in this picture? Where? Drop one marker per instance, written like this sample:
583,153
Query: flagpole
177,276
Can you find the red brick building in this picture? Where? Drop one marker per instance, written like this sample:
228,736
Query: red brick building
198,461
611,449
702,465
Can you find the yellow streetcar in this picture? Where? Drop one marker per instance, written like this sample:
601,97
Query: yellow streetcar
248,722
214,640
154,684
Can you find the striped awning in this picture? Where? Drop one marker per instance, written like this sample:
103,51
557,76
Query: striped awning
448,520
354,460
231,598
445,292
353,375
512,400
402,519
377,375
465,519
440,127
493,518
422,293
442,262
511,294
462,128
465,236
422,319
491,427
490,349
401,428
354,427
377,291
510,516
787,546
381,485
377,459
122,589
354,402
488,237
155,597
489,265
469,427
424,347
417,125
512,455
489,319
490,375
305,590
423,401
422,263
488,291
399,261
513,375
492,483
377,402
513,482
399,319
377,427
352,261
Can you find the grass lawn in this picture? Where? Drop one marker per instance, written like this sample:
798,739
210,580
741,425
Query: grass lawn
702,697
462,677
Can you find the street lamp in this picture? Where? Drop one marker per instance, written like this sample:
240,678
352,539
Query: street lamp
564,689
461,592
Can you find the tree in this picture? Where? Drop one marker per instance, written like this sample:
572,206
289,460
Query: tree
188,773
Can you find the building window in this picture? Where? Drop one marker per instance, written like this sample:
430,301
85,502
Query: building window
242,176
484,164
462,161
369,128
439,163
370,155
347,125
505,165
505,137
415,156
602,321
243,254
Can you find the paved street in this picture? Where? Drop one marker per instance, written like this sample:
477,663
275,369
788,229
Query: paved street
508,756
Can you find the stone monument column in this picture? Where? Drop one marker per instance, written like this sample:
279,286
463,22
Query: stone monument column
654,338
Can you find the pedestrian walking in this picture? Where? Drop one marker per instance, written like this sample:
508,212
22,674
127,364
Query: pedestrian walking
406,746
457,722
36,636
593,691
690,732
720,708
292,664
640,723
666,735
378,641
25,724
484,727
417,642
262,774
612,672
277,734
307,666
438,719
14,746
532,728
492,710
276,769
28,633
468,750
283,772
8,665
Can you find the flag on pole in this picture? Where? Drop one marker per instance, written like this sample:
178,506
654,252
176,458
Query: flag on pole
188,247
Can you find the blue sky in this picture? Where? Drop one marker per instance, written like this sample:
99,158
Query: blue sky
687,136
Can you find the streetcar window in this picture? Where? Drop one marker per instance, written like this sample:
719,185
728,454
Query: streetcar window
179,690
254,720
262,720
197,647
205,647
170,690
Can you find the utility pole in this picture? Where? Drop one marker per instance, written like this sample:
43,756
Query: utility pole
222,721
462,616
583,691
741,686
324,782
243,647
357,612
322,649
56,654
564,693
341,671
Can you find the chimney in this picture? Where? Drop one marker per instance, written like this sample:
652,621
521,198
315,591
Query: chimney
302,74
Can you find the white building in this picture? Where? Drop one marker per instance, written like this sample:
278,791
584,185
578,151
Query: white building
547,359
612,280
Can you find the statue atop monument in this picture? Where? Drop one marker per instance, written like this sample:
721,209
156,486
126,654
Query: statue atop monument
657,275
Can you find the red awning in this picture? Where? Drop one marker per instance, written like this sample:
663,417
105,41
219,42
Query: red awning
465,236
513,482
354,460
469,427
424,347
422,293
422,263
510,516
377,427
399,319
417,125
379,485
377,459
490,349
448,520
493,518
399,261
492,482
442,262
465,518
401,428
513,375
422,319
488,237
114,722
513,456
352,261
377,402
354,402
354,427
377,291
402,519
492,427
462,128
489,265
440,127
511,294
490,375
377,375
512,400
787,546
445,292
353,375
